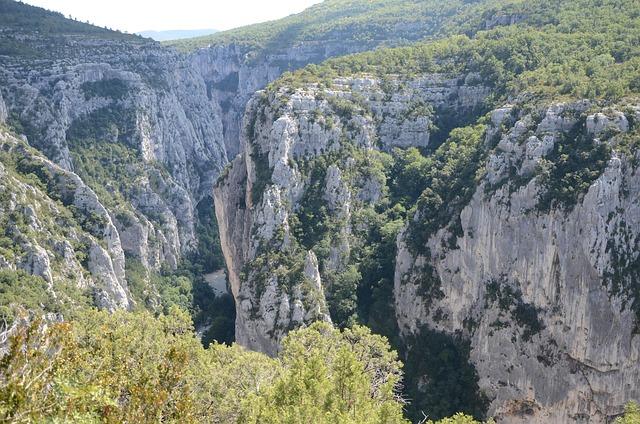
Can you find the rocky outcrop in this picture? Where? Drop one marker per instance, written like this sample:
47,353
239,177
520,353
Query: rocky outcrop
267,304
43,217
131,118
532,276
234,73
543,294
277,279
3,111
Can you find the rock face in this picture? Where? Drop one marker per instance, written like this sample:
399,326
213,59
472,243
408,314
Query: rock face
3,111
233,73
540,284
132,119
243,61
81,248
543,294
267,305
276,279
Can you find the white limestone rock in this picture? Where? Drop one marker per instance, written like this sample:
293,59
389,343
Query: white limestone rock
258,197
583,361
45,244
36,262
598,123
4,114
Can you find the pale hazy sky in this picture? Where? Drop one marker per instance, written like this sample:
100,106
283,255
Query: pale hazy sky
142,15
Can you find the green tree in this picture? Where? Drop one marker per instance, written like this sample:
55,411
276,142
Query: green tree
631,414
332,377
134,367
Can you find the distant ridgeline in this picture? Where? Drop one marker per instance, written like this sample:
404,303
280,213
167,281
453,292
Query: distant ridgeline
459,177
176,34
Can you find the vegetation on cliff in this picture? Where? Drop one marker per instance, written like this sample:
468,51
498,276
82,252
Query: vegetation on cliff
529,54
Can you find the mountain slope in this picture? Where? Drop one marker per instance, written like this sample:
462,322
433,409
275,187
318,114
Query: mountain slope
56,229
237,63
471,198
367,22
132,120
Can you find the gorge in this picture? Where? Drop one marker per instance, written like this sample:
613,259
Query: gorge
459,178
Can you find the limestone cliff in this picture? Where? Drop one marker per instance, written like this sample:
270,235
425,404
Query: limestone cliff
167,121
535,271
233,75
545,294
263,198
128,117
237,63
56,228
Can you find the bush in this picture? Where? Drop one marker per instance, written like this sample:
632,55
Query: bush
133,367
631,414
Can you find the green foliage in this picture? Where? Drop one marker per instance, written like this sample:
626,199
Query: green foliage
263,174
17,17
452,381
510,300
209,254
330,377
367,23
573,165
20,290
185,289
631,414
458,418
101,368
554,51
342,299
621,280
110,88
445,181
174,289
134,367
312,214
110,123
377,266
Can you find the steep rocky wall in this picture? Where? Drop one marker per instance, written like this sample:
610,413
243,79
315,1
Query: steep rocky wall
233,73
253,57
544,295
3,110
539,278
137,95
261,196
55,227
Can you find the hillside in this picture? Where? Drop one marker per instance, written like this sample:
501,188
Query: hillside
451,195
36,33
237,63
131,120
367,22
